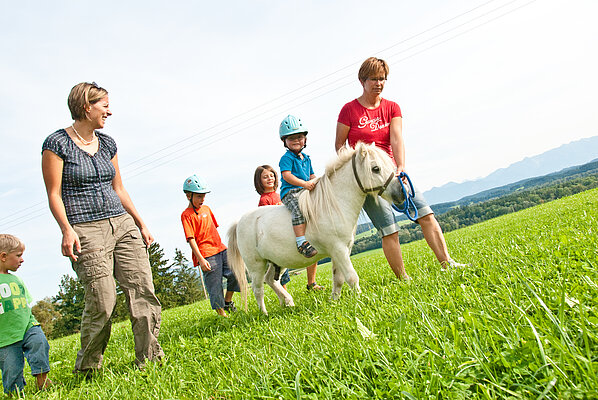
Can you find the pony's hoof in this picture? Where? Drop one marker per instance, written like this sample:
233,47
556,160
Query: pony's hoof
287,303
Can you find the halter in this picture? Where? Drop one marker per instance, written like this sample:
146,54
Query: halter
378,189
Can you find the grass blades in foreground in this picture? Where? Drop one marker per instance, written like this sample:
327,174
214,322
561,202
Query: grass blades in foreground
519,323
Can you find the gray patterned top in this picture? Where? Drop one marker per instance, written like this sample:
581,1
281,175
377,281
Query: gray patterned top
87,190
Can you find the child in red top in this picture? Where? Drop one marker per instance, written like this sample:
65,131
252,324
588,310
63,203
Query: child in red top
265,181
208,250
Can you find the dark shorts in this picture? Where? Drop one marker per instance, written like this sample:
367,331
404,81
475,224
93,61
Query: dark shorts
213,279
291,201
384,217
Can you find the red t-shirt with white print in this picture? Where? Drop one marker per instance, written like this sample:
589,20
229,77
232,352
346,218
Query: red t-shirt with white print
370,126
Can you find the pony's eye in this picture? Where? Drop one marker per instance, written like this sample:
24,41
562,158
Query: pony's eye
376,169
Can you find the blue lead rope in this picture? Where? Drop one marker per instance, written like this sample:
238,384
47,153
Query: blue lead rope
408,204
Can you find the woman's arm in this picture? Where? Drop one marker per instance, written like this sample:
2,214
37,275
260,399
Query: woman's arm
125,199
396,142
52,172
342,132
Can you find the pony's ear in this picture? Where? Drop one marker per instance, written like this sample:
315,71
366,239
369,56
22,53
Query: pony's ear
362,149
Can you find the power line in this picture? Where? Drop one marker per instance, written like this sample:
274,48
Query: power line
191,146
309,83
219,135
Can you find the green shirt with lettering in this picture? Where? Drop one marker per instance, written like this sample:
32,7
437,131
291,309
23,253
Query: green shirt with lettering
15,312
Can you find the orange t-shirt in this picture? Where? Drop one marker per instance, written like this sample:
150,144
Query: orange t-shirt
202,227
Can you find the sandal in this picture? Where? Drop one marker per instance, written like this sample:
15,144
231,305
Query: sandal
230,307
314,286
307,250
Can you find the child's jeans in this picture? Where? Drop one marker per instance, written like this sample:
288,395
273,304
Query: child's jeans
213,279
35,347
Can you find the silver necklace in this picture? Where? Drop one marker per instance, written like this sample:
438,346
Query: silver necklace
85,142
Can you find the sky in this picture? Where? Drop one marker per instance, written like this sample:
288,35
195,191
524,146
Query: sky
201,88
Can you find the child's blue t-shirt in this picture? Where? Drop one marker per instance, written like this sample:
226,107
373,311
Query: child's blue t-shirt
299,167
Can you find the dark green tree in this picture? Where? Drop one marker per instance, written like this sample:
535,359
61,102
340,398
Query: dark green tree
69,302
188,284
163,276
45,313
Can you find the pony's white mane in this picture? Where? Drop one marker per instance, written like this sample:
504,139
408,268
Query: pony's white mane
322,199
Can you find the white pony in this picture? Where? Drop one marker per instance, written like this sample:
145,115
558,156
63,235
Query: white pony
264,237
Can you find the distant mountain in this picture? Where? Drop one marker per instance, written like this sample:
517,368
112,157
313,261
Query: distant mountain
567,174
567,155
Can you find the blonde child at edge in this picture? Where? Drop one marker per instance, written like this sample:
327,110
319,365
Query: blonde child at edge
20,334
209,253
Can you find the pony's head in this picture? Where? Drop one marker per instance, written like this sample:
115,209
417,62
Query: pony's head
366,167
374,173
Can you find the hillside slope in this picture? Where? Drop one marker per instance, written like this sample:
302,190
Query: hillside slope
567,155
519,322
566,174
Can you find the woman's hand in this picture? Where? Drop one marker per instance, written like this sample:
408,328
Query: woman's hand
146,236
71,245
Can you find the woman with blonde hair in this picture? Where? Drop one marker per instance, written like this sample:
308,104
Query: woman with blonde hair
102,232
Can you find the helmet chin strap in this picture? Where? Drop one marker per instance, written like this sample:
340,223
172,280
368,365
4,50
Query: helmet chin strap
193,205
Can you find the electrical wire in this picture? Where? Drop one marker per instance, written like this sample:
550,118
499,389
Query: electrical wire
133,170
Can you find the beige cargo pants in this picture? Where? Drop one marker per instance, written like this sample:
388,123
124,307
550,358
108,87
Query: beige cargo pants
113,248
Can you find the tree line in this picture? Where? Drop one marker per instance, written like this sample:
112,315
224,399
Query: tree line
462,216
176,283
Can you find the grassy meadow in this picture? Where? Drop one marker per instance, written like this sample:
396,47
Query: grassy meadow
520,322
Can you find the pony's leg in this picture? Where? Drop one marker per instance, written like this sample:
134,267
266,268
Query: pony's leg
337,282
257,285
343,271
284,297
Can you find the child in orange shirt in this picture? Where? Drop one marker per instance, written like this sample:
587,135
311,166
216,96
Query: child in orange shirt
208,250
265,181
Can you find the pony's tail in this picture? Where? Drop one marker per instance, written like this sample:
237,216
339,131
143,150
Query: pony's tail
235,262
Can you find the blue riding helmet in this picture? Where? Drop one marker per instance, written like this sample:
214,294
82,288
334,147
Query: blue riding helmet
195,184
290,126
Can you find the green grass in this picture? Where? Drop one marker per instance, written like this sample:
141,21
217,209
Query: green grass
519,323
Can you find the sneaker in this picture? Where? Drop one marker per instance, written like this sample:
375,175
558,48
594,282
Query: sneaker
307,250
453,264
314,286
230,306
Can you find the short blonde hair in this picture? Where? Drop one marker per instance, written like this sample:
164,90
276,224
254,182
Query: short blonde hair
372,67
83,95
10,243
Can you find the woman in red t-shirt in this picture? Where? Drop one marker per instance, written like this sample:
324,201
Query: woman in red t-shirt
265,181
372,119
